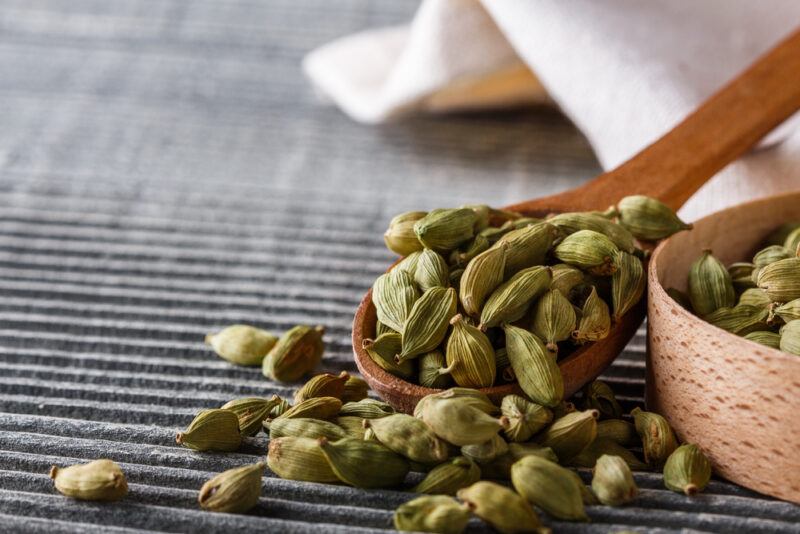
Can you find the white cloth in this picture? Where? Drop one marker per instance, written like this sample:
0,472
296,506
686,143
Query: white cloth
624,71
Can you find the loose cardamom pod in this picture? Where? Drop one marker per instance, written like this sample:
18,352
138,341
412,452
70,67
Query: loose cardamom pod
212,430
242,344
526,246
570,434
315,408
550,487
366,409
590,251
432,513
790,337
789,311
364,464
280,408
521,450
305,427
595,322
234,491
251,412
569,223
355,389
481,276
427,322
323,385
768,339
297,353
352,425
433,371
619,431
394,294
300,459
649,219
597,395
472,397
613,481
486,452
741,319
588,457
687,470
503,509
658,440
470,356
511,300
525,418
565,277
536,370
409,437
99,480
781,280
383,350
554,319
627,284
460,422
445,229
449,477
400,237
710,285
771,254
754,297
431,271
741,275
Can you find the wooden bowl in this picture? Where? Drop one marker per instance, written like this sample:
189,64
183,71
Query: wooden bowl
738,400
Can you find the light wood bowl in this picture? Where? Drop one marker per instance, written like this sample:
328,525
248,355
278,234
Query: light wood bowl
736,399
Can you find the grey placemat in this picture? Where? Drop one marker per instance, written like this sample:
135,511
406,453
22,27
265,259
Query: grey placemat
165,170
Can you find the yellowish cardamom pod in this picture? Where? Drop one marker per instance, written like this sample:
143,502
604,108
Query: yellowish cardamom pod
536,370
409,437
590,251
595,320
470,356
768,339
687,470
521,450
297,353
400,237
790,337
323,385
525,418
789,311
409,263
445,229
367,409
433,371
212,430
755,297
740,320
472,397
449,477
550,487
499,506
597,395
565,277
569,435
432,513
305,427
242,344
394,294
431,271
588,457
364,464
710,285
569,223
355,389
627,284
301,459
100,480
658,440
251,412
613,482
234,491
619,431
511,300
649,219
427,322
526,246
771,254
280,407
383,350
554,319
481,276
459,422
315,408
486,452
781,280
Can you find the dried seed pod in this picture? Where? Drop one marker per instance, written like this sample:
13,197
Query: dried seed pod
324,385
433,371
366,409
355,389
570,434
481,276
394,294
234,491
742,275
569,223
588,457
486,452
409,437
649,219
432,513
499,506
754,297
364,464
710,285
300,459
383,350
352,425
445,229
590,251
554,319
280,407
521,450
242,344
511,300
658,440
400,237
305,427
297,353
459,422
212,430
470,356
565,277
315,408
619,431
627,284
595,322
409,263
741,319
550,487
770,255
613,481
781,280
431,271
536,370
789,311
526,246
768,339
687,470
469,396
525,418
449,477
427,322
483,214
460,257
598,395
100,480
251,412
790,337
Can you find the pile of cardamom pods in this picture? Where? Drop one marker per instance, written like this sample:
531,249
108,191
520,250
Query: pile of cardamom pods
486,296
759,299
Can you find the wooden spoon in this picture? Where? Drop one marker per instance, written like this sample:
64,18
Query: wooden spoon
671,169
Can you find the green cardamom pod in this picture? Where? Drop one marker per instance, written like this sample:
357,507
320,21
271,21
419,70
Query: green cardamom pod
212,430
792,241
432,513
570,434
449,477
619,431
472,397
550,487
431,271
355,389
409,263
565,277
400,237
280,407
781,280
305,427
554,319
460,257
768,339
251,412
525,418
740,320
445,229
789,311
687,470
627,284
383,350
658,440
364,464
569,223
352,425
294,458
469,355
427,322
99,480
410,437
234,491
741,275
521,450
595,322
499,506
771,254
790,337
323,385
511,300
598,395
486,452
710,285
526,246
590,251
588,457
755,297
649,219
366,409
481,276
433,371
296,354
315,408
394,294
459,422
613,482
536,370
242,344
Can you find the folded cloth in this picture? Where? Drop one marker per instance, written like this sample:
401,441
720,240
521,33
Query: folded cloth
624,71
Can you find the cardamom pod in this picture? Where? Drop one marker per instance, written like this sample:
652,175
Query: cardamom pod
565,277
99,480
569,223
569,435
212,430
242,344
521,450
315,408
781,280
300,459
431,271
481,276
588,457
536,370
658,440
305,427
383,350
526,246
648,219
710,285
432,513
251,412
400,237
366,409
364,464
768,339
613,482
470,356
550,487
394,294
792,241
627,284
595,322
511,300
460,257
554,319
445,229
427,322
409,437
790,337
472,397
590,251
687,470
409,263
789,311
619,431
597,395
755,297
771,254
352,425
234,491
280,408
297,353
741,319
449,477
525,418
503,509
486,452
459,422
741,275
355,389
323,385
433,370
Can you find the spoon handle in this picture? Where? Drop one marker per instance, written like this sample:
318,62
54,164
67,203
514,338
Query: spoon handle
723,128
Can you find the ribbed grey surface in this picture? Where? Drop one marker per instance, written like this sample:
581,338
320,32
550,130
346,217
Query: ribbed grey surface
165,170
